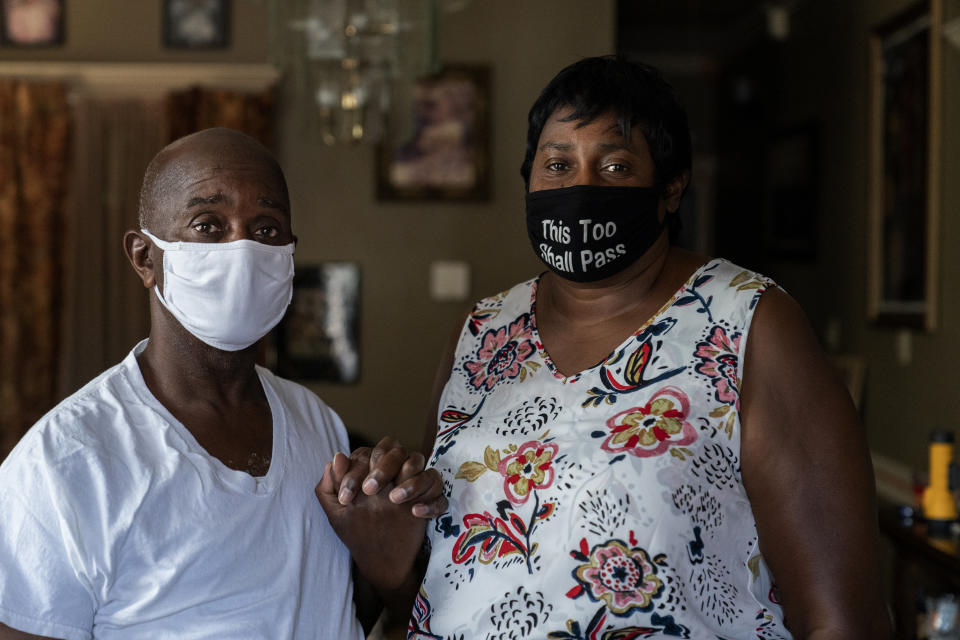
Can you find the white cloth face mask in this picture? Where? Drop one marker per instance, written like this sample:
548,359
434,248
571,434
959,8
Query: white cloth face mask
227,294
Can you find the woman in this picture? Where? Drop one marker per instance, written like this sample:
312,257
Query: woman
642,441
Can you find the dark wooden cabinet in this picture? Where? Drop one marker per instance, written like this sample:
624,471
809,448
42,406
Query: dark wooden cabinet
922,566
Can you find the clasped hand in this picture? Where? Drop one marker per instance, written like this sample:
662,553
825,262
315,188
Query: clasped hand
383,523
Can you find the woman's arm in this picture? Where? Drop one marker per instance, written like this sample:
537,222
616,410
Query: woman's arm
444,369
382,532
807,471
383,537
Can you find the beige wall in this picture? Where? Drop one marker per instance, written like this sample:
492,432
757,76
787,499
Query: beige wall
338,217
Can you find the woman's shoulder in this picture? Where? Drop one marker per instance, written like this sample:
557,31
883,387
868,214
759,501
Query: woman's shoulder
698,267
517,300
522,290
699,270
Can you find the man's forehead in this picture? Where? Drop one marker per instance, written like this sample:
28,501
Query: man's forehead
205,163
197,171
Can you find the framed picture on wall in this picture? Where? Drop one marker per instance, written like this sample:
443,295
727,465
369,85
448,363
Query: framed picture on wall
318,337
442,151
196,24
905,145
31,23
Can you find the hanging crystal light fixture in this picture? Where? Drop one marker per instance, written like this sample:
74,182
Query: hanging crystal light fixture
352,63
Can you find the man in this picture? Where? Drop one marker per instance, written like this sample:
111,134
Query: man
171,496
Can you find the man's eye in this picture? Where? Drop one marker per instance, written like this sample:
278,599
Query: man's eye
616,168
268,232
204,227
556,166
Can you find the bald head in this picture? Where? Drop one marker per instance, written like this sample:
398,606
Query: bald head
217,149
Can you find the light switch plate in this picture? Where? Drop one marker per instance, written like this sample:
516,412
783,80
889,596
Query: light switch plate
449,280
904,347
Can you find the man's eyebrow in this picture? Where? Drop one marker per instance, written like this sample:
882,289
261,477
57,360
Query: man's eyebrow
214,199
272,204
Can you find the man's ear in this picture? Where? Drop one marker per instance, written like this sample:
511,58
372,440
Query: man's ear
137,247
674,191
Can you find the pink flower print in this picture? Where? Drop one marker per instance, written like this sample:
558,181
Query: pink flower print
622,577
650,430
529,468
501,354
720,356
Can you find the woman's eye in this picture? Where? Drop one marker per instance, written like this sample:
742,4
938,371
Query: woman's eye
556,166
616,168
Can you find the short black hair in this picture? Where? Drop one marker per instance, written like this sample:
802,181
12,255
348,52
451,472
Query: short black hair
639,96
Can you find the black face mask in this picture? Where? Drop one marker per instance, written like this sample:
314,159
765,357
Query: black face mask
587,233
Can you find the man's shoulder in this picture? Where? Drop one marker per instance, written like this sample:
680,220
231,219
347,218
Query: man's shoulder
82,420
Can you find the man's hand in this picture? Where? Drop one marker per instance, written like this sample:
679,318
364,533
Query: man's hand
389,464
383,533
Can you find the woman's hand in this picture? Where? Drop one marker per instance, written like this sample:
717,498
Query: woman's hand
389,463
384,534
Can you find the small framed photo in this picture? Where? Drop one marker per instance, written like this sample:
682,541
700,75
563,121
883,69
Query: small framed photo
196,24
444,153
318,337
31,23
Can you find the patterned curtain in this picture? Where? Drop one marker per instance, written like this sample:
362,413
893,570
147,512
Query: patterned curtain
34,141
198,108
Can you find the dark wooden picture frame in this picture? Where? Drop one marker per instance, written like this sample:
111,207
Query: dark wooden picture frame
905,147
196,24
318,338
790,226
445,153
32,23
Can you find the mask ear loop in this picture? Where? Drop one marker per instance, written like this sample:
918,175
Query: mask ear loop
163,245
159,244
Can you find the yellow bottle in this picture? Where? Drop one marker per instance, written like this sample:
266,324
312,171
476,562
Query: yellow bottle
939,504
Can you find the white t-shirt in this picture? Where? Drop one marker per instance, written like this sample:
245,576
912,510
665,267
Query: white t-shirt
116,523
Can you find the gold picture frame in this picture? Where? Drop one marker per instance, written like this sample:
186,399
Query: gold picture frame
444,152
905,149
32,23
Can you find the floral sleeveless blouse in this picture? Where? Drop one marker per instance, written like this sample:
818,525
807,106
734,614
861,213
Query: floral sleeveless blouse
605,505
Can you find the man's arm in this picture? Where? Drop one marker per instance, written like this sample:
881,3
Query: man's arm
807,472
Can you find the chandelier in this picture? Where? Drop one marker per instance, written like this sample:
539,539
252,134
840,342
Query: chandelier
352,63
